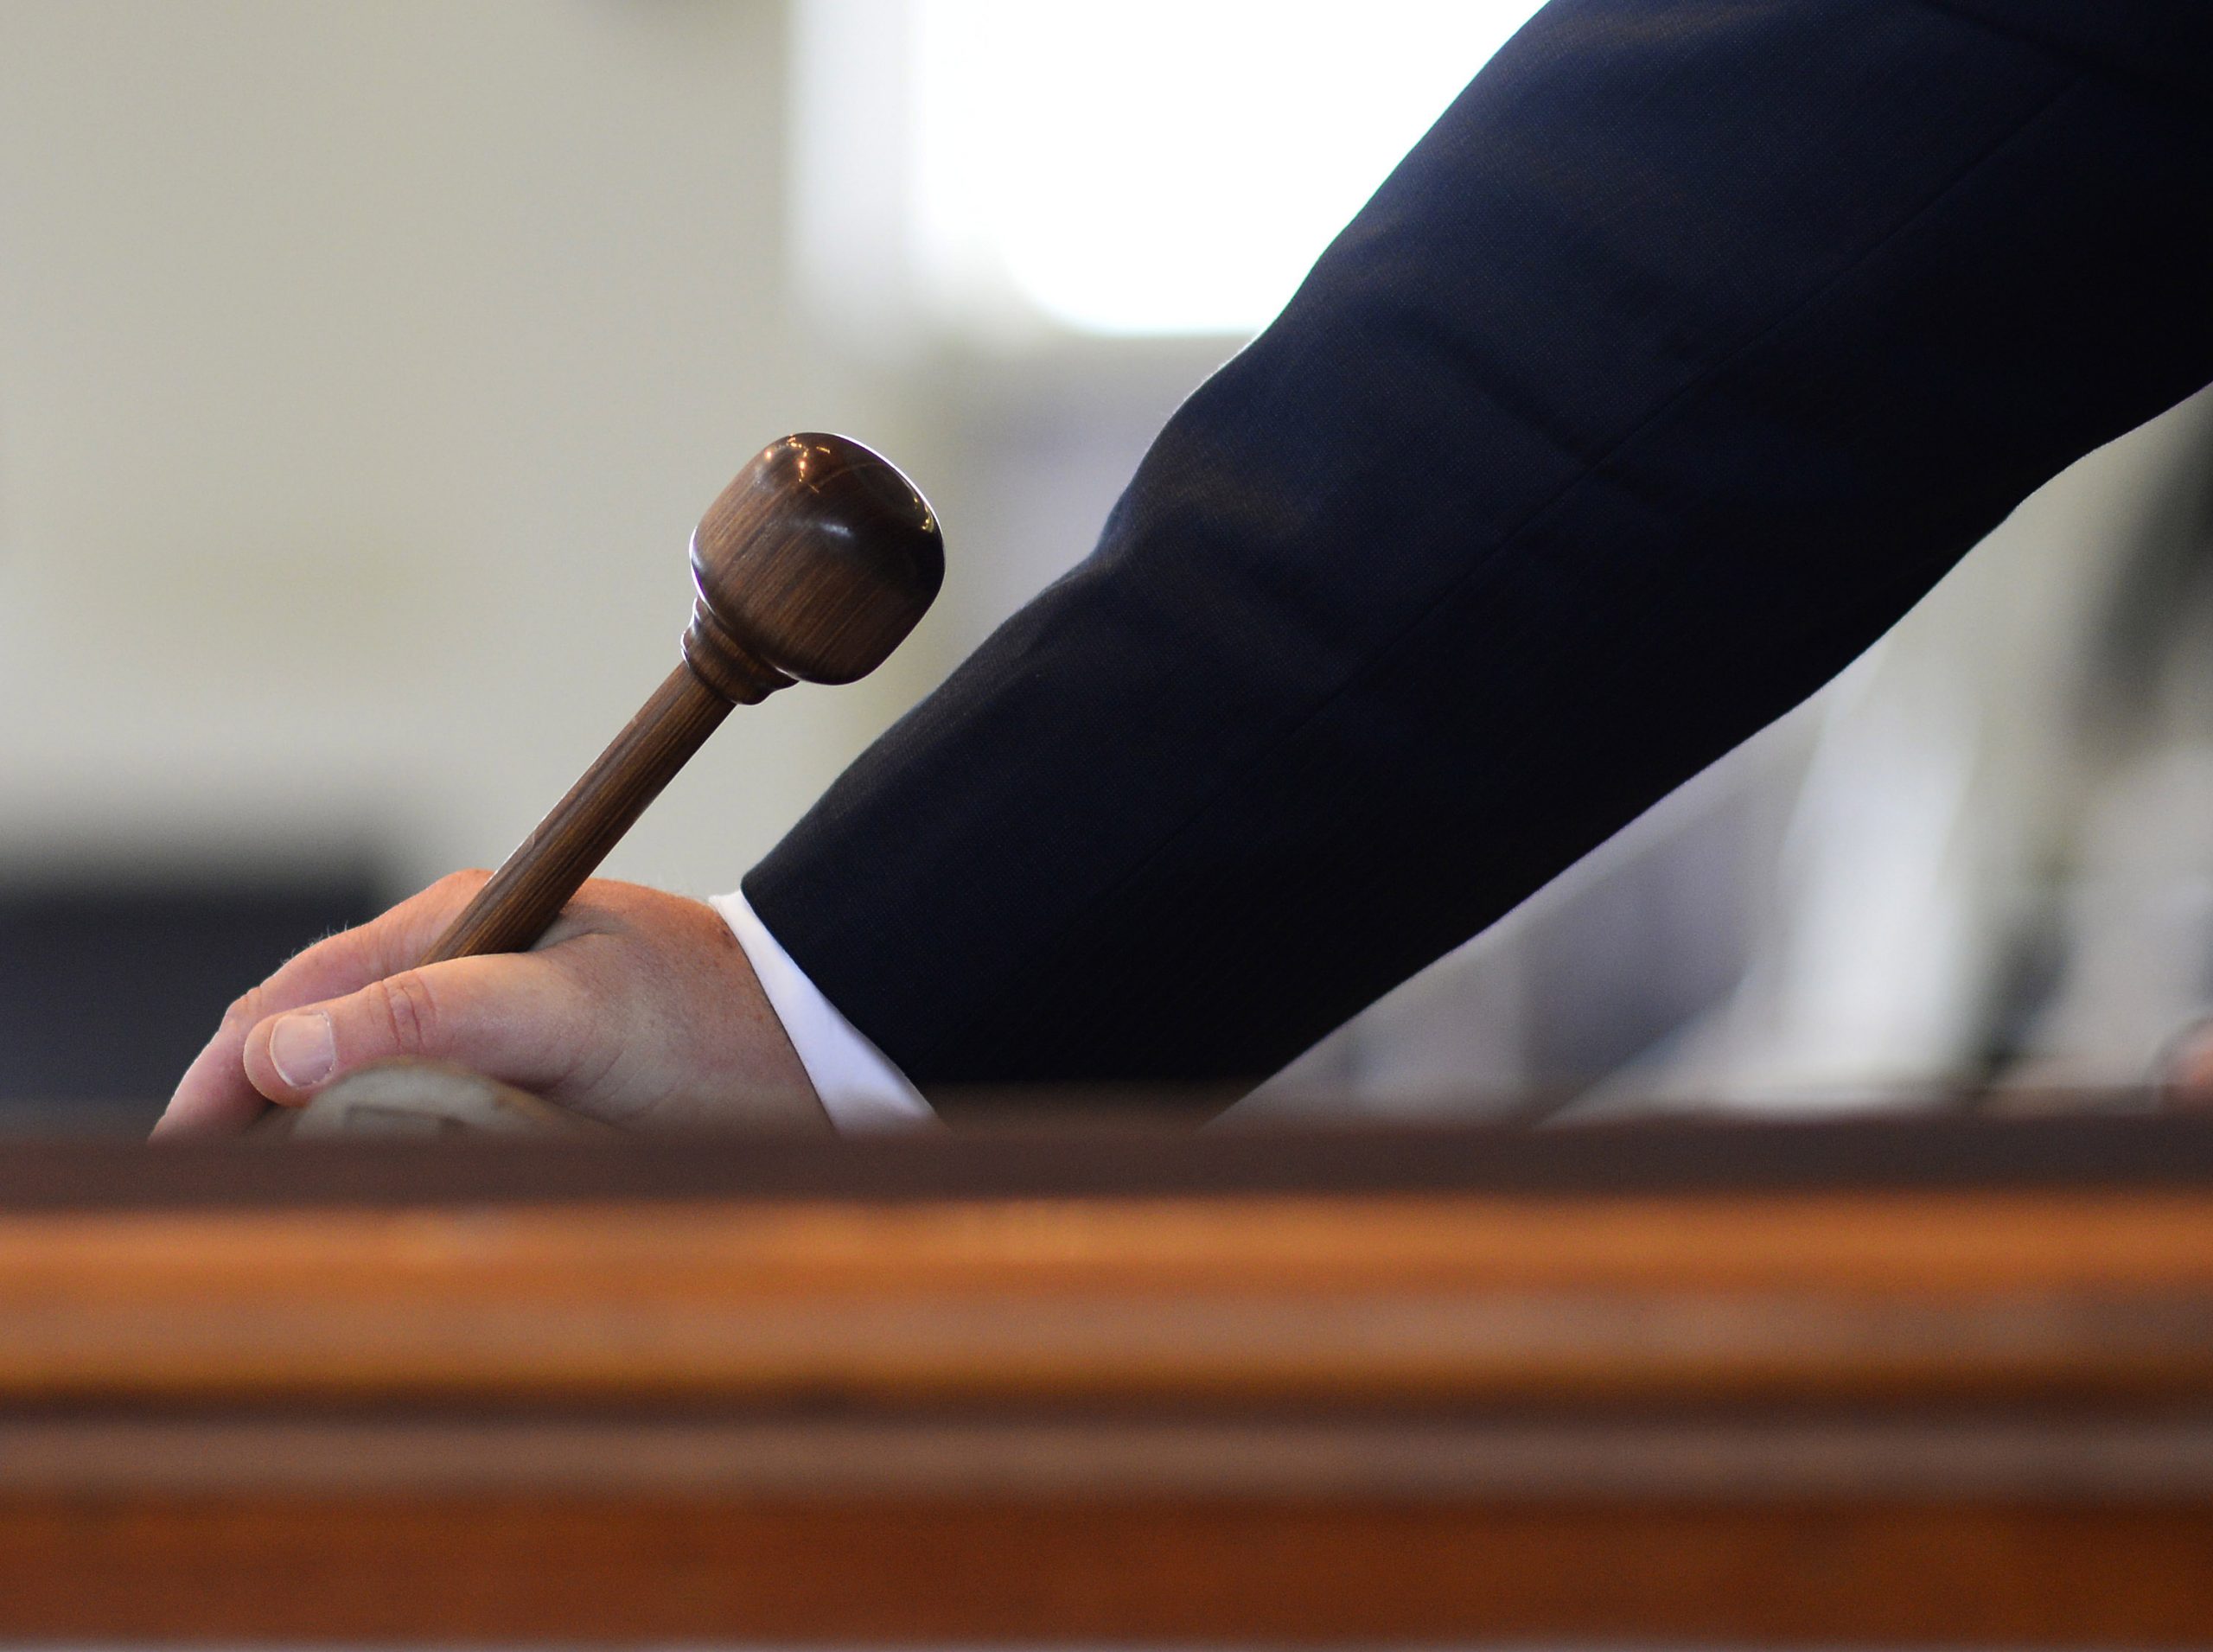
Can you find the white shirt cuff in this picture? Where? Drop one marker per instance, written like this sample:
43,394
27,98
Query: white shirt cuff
861,1090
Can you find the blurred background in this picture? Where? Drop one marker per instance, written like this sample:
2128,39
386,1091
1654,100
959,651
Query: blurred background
363,370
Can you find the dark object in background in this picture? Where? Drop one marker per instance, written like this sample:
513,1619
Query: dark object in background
108,988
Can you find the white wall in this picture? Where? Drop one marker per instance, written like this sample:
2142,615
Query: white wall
362,371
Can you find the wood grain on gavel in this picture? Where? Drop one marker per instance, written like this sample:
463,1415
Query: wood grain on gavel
812,567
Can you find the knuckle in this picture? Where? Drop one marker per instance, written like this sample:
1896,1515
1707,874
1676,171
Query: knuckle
457,886
247,1009
409,1009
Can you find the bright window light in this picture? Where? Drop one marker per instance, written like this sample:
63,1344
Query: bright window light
1164,166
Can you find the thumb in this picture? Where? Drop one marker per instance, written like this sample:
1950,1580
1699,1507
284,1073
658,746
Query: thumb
213,1096
514,1016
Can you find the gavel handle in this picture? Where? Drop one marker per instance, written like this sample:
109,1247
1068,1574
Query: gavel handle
547,867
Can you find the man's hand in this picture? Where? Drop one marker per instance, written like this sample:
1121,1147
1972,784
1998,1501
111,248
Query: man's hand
638,1007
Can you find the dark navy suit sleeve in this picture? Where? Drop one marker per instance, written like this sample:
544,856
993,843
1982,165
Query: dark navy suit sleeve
1681,357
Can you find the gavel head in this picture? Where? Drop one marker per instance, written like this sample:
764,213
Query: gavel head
812,564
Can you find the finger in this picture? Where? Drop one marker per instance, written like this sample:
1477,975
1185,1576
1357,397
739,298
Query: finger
388,943
519,1017
214,1096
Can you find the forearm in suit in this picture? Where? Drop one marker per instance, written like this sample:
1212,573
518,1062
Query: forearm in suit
1679,360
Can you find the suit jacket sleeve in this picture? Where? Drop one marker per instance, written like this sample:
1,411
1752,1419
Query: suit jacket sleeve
1680,359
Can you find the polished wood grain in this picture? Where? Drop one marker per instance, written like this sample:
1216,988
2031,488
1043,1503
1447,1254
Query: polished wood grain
382,1570
1379,1301
1410,1458
814,562
531,885
1855,1385
811,566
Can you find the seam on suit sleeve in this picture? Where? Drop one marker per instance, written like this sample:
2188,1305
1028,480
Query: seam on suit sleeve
2083,62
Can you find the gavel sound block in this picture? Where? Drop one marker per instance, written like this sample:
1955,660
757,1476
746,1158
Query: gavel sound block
811,566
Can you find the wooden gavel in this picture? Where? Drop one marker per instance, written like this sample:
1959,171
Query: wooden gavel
811,566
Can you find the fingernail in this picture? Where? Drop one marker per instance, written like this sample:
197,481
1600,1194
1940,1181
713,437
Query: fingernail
302,1048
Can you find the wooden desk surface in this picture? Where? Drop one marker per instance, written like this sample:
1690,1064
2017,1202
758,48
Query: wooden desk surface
1942,1382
